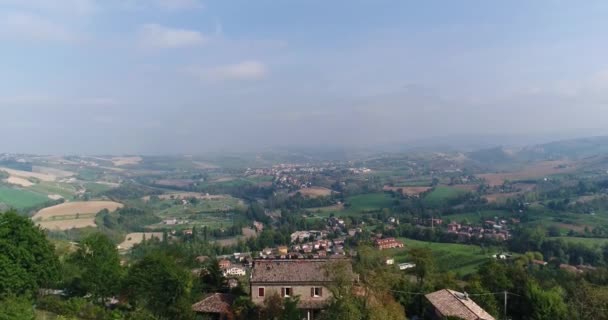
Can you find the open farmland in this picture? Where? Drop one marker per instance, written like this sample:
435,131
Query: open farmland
187,195
22,182
366,202
27,174
72,214
460,258
441,195
534,171
314,192
134,238
124,161
408,191
21,198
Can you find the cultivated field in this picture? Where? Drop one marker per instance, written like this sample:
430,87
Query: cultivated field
134,238
534,171
124,161
441,195
314,192
19,181
408,191
27,174
58,173
461,258
21,198
72,214
187,195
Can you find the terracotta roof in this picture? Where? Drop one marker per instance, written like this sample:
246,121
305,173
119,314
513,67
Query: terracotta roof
453,303
215,303
296,270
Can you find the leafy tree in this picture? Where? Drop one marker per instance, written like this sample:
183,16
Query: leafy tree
425,263
16,308
545,304
99,263
27,259
159,284
212,279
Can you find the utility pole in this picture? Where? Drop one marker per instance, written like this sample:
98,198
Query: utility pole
505,292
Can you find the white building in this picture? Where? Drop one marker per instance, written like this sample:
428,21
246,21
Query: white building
235,271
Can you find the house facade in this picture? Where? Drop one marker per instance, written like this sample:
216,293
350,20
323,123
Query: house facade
307,279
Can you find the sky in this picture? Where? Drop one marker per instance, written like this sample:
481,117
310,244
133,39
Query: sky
191,76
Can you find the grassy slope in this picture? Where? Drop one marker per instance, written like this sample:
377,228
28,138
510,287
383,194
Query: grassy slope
367,202
21,199
459,258
441,194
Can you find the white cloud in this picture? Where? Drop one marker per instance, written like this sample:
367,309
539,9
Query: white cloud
246,70
25,26
160,37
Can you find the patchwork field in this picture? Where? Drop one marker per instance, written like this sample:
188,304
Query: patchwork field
535,171
70,215
21,198
134,238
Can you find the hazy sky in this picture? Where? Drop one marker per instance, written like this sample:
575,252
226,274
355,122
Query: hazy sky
168,76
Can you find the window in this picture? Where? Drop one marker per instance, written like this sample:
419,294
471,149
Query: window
286,292
260,292
316,292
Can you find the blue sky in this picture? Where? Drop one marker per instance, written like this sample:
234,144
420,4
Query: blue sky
188,76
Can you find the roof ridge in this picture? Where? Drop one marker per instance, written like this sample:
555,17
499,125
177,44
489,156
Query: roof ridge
460,300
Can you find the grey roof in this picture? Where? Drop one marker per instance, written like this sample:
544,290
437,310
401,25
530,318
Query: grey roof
294,270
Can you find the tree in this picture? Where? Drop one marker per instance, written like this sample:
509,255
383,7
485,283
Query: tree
16,308
99,263
425,263
212,279
545,304
159,284
27,258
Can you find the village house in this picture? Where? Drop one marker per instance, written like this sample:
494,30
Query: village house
450,303
224,264
387,243
215,306
307,279
235,271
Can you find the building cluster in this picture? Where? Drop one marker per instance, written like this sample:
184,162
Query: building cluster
311,280
497,230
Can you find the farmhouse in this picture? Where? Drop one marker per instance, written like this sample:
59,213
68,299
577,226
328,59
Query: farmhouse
307,279
450,303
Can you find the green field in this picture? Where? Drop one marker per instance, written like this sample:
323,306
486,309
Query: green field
587,241
476,217
21,199
459,258
214,213
367,202
65,190
96,188
441,195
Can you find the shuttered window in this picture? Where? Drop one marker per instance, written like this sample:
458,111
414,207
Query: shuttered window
260,292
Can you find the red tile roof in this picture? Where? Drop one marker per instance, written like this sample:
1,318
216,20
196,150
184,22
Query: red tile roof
453,303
